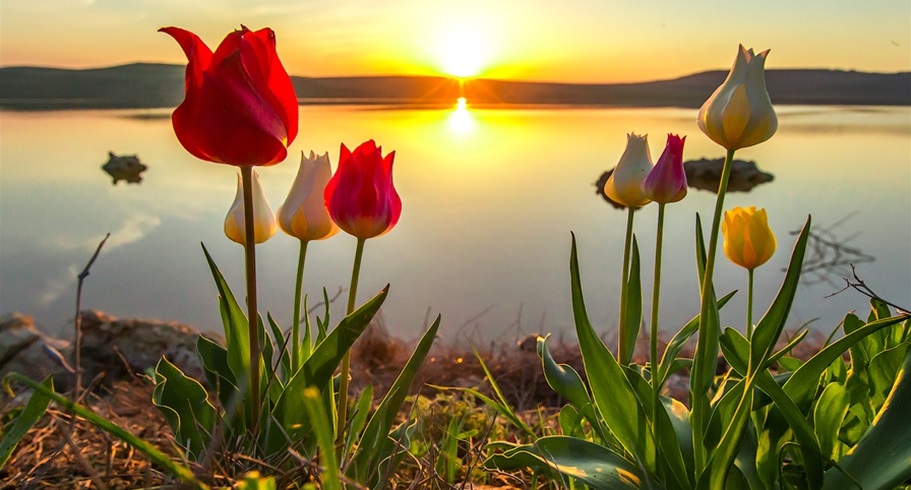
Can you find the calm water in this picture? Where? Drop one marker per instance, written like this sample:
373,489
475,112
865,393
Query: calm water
490,198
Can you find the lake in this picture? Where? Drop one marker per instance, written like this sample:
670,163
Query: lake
490,197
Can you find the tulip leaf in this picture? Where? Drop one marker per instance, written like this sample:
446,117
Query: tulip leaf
830,411
584,461
185,405
322,427
615,398
633,320
237,336
770,326
29,416
802,384
319,367
562,378
371,455
679,341
880,460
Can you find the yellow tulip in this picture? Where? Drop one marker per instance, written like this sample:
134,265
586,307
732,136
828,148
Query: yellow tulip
739,113
263,220
748,240
624,184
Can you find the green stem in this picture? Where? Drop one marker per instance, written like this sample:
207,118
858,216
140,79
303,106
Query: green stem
656,289
346,360
750,306
622,337
246,173
295,324
704,348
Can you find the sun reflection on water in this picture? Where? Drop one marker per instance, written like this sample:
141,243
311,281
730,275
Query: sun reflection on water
460,120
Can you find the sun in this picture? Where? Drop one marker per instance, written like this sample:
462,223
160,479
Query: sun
462,49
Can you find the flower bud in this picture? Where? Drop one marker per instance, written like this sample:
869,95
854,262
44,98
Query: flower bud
667,181
739,113
263,219
624,184
304,214
360,196
748,240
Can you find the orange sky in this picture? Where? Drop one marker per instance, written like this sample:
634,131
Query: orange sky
574,41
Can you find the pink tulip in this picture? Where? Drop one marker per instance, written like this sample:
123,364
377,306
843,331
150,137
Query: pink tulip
667,181
360,196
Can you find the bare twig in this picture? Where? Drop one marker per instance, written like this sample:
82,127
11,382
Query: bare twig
77,341
861,287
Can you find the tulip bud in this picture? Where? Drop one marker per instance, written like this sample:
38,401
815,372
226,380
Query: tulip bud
748,240
624,184
667,181
360,196
739,113
263,219
304,214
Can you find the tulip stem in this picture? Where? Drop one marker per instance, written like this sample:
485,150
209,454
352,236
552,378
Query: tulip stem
246,173
750,305
295,325
623,350
707,342
346,360
656,288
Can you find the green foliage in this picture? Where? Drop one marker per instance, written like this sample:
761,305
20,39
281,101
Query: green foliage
298,409
770,421
29,416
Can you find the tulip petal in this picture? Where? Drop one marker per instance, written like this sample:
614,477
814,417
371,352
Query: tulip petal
268,77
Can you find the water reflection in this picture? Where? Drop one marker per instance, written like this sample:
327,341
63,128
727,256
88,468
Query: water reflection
490,197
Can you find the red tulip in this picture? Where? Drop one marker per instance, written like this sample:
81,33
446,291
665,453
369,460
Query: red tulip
360,196
240,107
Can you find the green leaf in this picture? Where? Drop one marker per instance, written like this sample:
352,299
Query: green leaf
586,462
369,455
882,371
801,386
29,416
803,433
633,309
324,438
614,396
184,403
882,458
562,378
237,333
283,366
317,370
679,341
770,326
828,414
214,359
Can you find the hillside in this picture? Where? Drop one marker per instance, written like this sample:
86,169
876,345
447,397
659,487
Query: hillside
144,85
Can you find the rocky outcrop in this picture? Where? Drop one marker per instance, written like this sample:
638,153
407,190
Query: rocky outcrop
24,349
118,348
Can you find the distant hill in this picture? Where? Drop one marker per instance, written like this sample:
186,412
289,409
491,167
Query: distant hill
144,85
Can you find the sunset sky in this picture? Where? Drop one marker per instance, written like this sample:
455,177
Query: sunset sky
572,41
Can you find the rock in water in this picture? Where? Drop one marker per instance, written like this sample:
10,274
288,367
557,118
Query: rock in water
705,174
126,167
